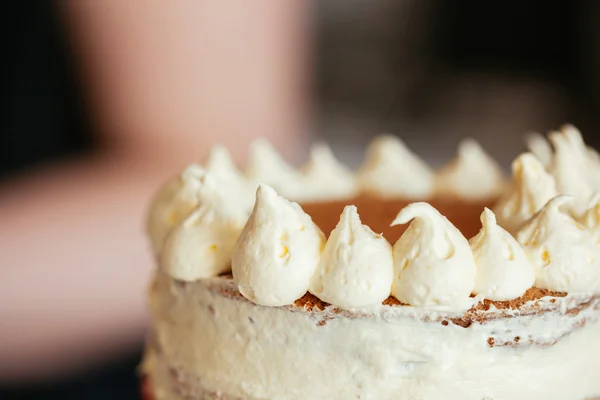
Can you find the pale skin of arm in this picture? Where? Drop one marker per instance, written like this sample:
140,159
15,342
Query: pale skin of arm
165,81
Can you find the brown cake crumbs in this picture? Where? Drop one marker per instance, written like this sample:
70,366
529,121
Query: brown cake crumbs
477,314
309,302
392,301
463,322
490,341
531,294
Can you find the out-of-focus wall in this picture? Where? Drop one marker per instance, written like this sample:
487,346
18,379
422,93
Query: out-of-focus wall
435,71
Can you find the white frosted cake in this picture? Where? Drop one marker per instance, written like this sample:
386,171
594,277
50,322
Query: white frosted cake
427,294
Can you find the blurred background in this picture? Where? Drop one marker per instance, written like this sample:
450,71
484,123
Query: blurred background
436,71
104,100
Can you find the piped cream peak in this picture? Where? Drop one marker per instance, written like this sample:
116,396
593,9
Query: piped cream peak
325,178
201,245
532,188
356,268
277,251
390,169
472,175
564,254
488,220
266,166
433,263
571,163
172,203
503,270
220,163
540,147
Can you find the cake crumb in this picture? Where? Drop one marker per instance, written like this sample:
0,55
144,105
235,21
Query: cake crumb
310,302
462,322
392,301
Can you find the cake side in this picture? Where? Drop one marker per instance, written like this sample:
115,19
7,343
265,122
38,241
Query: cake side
241,350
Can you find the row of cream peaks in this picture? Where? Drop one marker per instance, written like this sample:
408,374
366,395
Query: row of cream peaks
196,220
390,169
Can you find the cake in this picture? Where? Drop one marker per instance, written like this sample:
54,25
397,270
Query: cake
396,281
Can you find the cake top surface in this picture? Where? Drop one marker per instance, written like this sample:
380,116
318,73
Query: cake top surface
543,231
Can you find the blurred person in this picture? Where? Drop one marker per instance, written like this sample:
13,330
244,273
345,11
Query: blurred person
164,81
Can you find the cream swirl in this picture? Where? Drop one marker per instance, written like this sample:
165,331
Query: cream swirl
565,256
277,252
172,203
472,175
433,262
201,245
531,189
392,170
503,269
356,268
325,178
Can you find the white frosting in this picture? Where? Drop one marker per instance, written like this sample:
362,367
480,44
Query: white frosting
220,163
201,246
209,343
472,175
277,252
172,203
267,167
433,262
572,166
594,168
591,218
540,147
531,189
325,178
564,254
392,170
503,270
356,268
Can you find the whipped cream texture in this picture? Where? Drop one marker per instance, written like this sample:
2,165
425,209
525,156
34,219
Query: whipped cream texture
356,268
503,270
277,252
392,170
564,254
201,245
532,188
433,262
472,175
